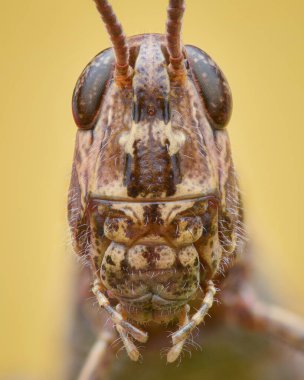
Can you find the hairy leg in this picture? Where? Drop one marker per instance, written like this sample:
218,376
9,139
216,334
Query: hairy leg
130,347
183,333
176,349
116,317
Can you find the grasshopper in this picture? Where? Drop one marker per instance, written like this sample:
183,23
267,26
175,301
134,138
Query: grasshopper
154,204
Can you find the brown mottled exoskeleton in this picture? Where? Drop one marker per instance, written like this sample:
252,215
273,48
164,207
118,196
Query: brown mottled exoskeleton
154,204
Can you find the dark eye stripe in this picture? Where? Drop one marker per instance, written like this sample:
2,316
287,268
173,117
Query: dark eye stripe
166,111
136,112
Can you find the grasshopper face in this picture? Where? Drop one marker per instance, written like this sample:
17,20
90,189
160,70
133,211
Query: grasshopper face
153,203
154,180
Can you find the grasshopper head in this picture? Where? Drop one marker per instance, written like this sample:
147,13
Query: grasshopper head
153,191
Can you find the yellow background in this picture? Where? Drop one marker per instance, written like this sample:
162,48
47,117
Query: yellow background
44,47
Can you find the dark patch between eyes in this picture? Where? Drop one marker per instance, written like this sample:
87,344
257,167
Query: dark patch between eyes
151,170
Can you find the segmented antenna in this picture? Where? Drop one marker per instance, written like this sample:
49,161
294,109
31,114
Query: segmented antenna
176,10
116,34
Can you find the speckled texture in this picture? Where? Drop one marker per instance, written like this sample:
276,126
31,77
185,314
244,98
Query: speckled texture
154,199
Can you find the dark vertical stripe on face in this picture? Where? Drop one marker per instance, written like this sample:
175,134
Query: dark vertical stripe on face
128,169
149,168
153,171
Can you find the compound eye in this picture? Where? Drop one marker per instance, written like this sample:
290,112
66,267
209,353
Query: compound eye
212,86
90,88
